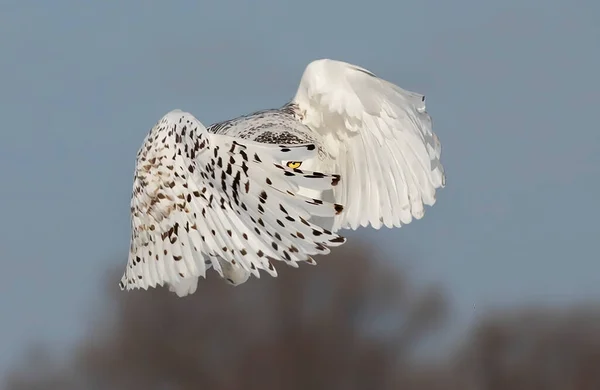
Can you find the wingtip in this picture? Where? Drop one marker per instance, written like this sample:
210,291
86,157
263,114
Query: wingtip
338,240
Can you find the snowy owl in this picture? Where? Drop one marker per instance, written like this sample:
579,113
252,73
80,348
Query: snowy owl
349,150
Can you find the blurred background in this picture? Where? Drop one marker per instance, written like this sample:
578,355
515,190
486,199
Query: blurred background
497,287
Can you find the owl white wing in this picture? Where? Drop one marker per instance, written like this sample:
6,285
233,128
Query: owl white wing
380,140
203,198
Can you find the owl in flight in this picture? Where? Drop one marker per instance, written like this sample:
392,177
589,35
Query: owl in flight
349,150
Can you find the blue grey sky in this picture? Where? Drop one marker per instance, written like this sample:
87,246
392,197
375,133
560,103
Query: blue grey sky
512,85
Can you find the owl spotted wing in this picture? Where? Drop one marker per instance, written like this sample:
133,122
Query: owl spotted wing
201,198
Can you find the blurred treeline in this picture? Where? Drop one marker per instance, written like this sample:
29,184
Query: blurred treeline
352,322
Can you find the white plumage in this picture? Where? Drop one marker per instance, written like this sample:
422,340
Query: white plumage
233,197
378,137
205,199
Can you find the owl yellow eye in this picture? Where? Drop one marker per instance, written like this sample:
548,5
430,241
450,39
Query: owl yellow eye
294,164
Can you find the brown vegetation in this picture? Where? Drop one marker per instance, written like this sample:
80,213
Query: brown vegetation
348,323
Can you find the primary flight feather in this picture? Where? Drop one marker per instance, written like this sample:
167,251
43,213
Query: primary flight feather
349,150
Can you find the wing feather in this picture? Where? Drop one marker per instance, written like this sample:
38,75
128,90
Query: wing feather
202,199
380,140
